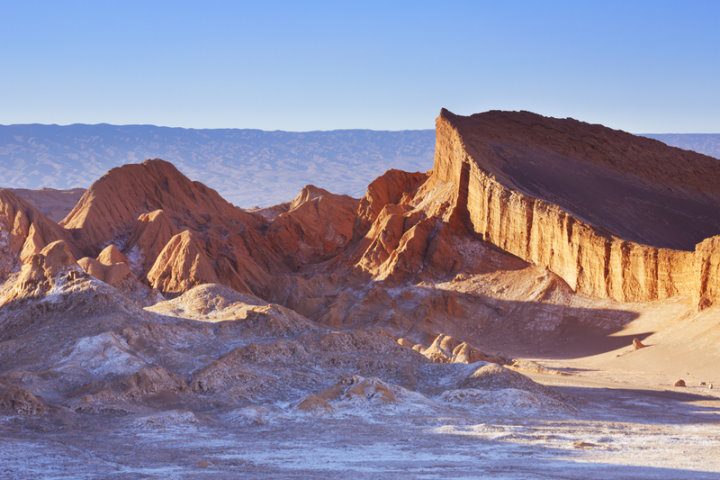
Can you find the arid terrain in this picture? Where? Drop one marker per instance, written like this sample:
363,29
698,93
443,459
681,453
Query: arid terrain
543,303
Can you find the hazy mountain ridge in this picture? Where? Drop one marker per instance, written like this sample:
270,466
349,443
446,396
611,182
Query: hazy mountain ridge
707,143
248,167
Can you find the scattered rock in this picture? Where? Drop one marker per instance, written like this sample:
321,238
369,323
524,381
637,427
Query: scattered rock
446,349
315,403
18,400
352,389
404,342
638,344
680,383
584,445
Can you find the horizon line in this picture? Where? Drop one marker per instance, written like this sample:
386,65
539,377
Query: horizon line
359,129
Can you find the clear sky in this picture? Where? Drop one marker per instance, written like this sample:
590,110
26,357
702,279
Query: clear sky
643,66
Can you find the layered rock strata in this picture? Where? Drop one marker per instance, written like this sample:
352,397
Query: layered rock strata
480,156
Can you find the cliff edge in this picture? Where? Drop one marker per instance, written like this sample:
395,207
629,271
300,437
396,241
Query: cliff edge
613,214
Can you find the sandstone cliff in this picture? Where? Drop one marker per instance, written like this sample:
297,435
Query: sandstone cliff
600,208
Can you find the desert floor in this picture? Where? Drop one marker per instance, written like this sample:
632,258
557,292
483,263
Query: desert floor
616,427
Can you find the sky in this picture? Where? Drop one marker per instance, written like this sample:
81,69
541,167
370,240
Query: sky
642,66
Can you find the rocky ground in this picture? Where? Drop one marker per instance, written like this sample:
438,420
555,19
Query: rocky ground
218,384
606,433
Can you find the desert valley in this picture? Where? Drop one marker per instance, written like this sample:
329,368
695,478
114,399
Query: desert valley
543,303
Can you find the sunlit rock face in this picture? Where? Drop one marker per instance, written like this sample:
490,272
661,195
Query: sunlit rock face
613,214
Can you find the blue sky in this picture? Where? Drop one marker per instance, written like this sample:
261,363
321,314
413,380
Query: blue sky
643,66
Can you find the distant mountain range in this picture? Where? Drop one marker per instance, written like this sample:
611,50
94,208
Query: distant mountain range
248,167
707,143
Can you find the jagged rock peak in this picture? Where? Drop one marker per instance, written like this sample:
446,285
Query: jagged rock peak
112,205
182,264
111,255
49,269
306,194
24,231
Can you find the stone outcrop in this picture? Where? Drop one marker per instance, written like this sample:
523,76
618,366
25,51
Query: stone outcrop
317,225
152,232
43,272
17,400
24,232
392,188
110,208
446,349
181,265
598,207
611,214
111,266
353,388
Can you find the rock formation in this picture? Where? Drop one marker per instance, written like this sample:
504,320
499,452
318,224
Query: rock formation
446,349
44,272
613,214
99,216
111,266
24,231
317,225
167,225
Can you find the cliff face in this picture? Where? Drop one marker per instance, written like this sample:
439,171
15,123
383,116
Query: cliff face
605,239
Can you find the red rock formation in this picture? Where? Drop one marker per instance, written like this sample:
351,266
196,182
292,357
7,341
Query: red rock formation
613,215
446,349
182,264
317,225
24,231
113,275
392,188
144,206
111,255
596,206
111,266
152,232
111,206
52,267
